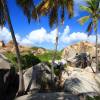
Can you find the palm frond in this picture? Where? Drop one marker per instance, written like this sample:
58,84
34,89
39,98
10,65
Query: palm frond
27,7
53,17
69,6
87,9
43,7
82,20
2,15
89,28
34,14
90,4
62,15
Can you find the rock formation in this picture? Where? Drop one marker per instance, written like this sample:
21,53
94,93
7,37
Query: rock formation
38,51
70,52
77,80
80,47
36,75
9,80
9,47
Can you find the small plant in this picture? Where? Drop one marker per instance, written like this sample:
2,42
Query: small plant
94,98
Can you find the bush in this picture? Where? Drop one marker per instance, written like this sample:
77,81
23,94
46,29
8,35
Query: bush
47,56
27,60
11,57
95,98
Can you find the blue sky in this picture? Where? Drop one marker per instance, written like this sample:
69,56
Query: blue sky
40,34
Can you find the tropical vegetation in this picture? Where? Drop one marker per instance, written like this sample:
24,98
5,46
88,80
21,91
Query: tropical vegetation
53,9
28,60
93,16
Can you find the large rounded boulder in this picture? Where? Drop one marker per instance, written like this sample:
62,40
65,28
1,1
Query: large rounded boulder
37,76
9,80
82,81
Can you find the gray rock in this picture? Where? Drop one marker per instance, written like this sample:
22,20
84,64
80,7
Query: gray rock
82,82
90,69
49,96
37,74
4,63
9,80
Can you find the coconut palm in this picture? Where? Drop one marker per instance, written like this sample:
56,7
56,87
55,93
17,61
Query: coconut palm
49,8
93,9
4,16
53,9
28,7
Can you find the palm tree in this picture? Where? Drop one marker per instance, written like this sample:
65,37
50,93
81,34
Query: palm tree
93,10
28,8
4,16
49,8
53,9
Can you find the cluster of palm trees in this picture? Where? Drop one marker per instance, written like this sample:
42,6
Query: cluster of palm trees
53,9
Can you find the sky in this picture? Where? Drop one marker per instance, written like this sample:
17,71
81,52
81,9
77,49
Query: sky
40,34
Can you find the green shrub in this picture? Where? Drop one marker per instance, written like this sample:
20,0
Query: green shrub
11,57
95,98
27,60
47,56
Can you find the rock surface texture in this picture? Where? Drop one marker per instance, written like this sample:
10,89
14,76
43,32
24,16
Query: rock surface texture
81,81
49,96
35,75
80,47
9,80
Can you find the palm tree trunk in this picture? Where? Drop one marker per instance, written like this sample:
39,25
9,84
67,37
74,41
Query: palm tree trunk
54,56
6,12
96,51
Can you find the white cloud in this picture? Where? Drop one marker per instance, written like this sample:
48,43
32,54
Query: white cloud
18,38
67,38
26,42
38,36
35,37
5,34
41,36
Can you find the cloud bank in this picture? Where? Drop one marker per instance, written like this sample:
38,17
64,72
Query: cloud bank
41,36
5,34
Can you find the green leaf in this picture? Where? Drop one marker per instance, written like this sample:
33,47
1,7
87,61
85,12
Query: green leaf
53,17
83,19
27,7
62,15
84,8
70,7
2,15
89,28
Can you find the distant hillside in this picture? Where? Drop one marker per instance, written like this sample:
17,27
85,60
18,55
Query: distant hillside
9,47
79,47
